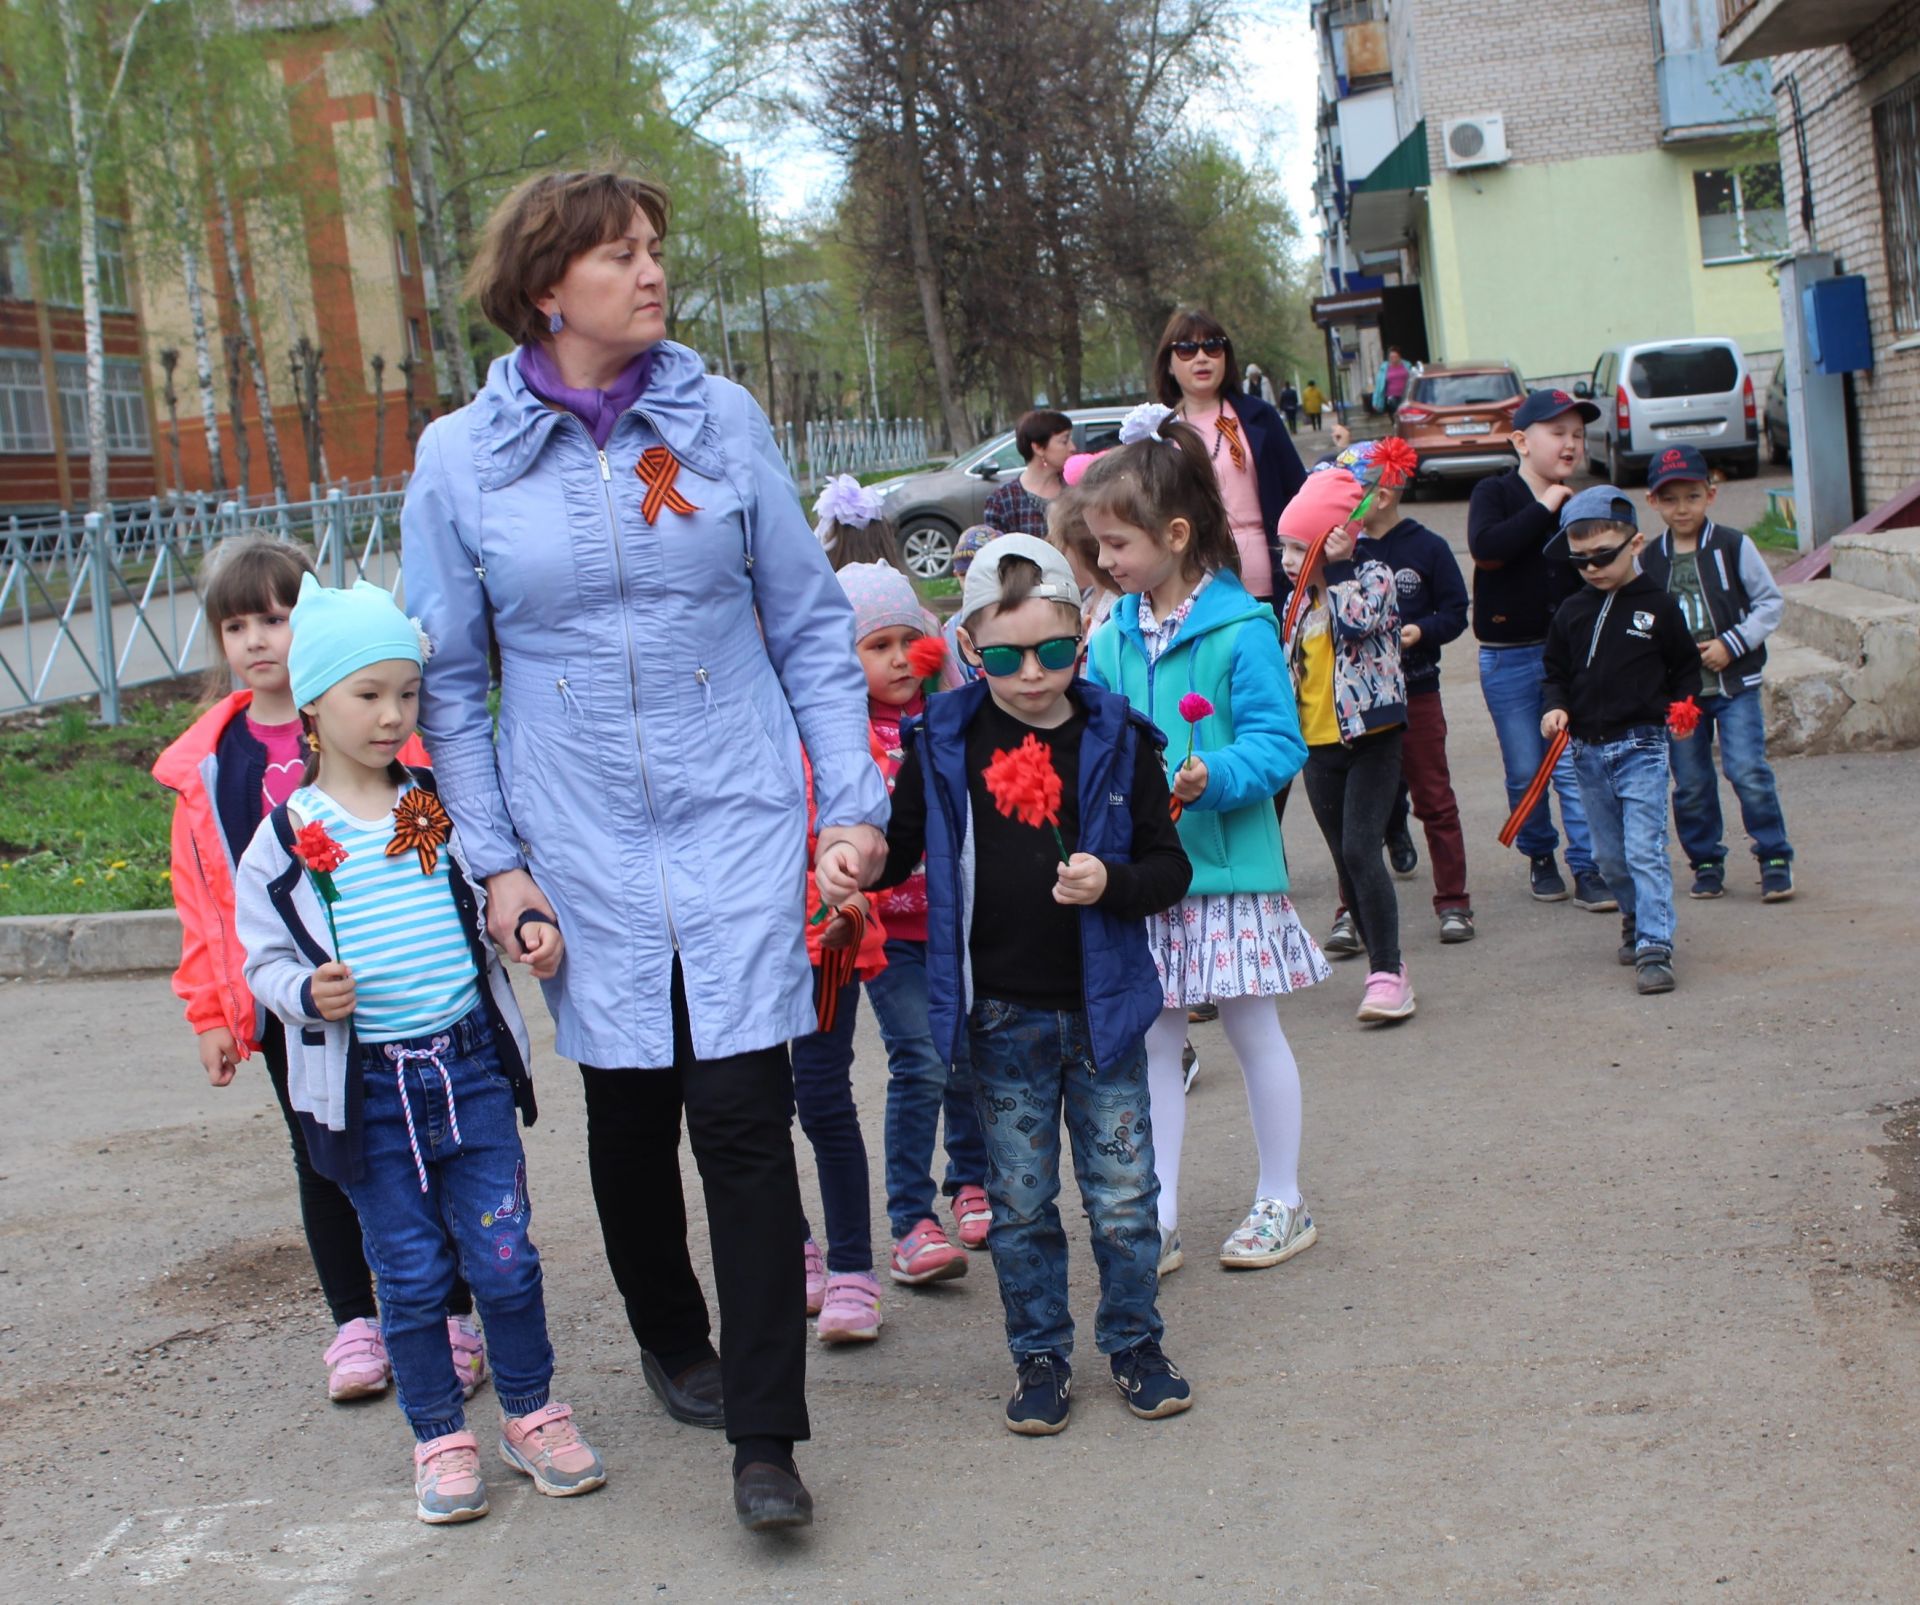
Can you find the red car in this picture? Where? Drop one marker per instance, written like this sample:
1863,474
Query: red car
1459,417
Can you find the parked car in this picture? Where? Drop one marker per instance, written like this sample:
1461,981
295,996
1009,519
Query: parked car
1660,393
1773,417
930,509
1459,417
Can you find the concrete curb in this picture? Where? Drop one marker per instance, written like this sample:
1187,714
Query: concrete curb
51,947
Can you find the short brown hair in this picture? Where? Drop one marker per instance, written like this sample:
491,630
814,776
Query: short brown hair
542,226
1036,428
252,574
1191,324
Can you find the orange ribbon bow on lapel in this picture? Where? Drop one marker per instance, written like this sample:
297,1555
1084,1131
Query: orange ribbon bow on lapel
658,468
1230,427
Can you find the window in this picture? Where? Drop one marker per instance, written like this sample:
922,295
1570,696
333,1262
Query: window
1464,389
62,249
1684,371
15,282
413,338
393,165
126,405
400,255
1742,212
1896,142
24,423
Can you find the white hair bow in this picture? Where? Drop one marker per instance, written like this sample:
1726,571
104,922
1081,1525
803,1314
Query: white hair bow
1144,422
844,500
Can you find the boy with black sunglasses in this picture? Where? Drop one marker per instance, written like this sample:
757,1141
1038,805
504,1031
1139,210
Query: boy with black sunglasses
1619,654
1037,952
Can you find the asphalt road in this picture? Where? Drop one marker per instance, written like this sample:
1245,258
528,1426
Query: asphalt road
1613,1300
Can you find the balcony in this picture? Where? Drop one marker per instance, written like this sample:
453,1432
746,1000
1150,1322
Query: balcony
1752,30
1699,97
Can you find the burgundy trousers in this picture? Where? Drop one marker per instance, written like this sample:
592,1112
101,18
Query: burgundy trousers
1423,762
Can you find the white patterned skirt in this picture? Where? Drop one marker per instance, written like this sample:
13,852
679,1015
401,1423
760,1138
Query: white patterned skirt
1241,945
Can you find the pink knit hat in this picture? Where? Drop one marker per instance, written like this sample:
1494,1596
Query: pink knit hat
1326,500
882,599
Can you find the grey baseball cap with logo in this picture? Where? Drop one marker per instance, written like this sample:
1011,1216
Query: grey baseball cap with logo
1605,502
983,584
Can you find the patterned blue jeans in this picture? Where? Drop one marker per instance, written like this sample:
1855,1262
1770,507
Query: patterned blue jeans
1031,1066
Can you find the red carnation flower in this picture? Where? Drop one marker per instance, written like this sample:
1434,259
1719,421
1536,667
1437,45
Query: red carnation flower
1396,460
1683,717
927,656
317,850
1025,786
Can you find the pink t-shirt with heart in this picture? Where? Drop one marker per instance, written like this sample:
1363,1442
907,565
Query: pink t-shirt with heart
286,758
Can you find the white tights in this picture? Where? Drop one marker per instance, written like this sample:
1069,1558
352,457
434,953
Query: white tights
1273,1097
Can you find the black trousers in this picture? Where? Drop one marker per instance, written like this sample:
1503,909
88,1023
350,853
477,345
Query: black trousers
1351,789
328,1216
739,1114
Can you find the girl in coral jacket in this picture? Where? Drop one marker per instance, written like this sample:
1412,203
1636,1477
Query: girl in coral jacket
242,758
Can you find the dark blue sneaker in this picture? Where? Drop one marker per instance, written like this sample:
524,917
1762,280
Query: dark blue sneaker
1776,879
1038,1408
1543,880
1709,880
1149,1382
1590,892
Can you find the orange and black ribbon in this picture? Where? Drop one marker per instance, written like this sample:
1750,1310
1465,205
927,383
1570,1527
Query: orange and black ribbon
839,965
1536,789
1230,427
420,826
1297,603
658,469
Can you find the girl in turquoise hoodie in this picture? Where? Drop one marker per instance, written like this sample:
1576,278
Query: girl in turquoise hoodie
1187,629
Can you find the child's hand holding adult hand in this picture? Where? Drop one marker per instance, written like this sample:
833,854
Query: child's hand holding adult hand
219,1055
1714,656
544,947
1081,881
836,871
1553,723
1190,781
509,895
332,988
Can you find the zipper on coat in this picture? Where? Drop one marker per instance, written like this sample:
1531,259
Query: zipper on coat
633,690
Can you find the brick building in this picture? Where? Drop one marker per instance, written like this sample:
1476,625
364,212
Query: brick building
1846,76
1537,184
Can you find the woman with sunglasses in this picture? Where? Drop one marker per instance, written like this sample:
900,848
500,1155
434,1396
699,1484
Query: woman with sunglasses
1195,373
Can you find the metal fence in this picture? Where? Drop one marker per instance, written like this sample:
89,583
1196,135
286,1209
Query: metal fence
826,447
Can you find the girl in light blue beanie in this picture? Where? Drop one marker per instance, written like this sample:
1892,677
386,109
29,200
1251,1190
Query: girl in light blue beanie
407,1056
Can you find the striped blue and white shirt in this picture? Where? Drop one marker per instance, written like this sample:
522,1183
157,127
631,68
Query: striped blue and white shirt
399,930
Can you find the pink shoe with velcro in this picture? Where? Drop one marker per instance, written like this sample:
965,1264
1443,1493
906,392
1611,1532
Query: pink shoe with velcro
357,1362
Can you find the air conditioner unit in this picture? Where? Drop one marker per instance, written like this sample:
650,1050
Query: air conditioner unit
1476,141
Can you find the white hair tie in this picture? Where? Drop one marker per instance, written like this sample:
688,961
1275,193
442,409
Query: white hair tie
844,500
1144,422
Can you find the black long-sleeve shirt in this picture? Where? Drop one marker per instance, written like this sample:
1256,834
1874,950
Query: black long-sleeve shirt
1025,946
1616,659
1516,586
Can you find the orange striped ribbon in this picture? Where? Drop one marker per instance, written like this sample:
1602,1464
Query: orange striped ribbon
1297,603
1230,427
658,468
838,966
1536,789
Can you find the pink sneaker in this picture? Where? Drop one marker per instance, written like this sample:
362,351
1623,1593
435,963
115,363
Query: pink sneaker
1389,996
851,1313
357,1362
544,1444
816,1276
972,1215
469,1353
924,1255
446,1480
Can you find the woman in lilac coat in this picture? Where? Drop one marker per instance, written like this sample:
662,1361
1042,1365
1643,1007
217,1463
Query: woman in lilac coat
617,526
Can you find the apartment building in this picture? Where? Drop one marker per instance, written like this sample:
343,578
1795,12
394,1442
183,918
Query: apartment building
1538,182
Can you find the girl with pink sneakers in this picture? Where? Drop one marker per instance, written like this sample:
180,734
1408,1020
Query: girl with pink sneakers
241,759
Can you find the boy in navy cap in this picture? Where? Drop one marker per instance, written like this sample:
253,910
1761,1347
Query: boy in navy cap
1516,590
1618,656
1726,591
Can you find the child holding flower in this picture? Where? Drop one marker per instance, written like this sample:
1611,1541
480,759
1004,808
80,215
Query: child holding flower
407,1055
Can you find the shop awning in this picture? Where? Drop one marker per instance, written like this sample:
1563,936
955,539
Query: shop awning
1384,206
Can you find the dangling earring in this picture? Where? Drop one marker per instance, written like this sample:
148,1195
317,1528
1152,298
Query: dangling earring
555,323
313,739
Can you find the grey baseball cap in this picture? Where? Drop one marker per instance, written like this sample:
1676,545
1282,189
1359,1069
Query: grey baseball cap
1606,502
983,587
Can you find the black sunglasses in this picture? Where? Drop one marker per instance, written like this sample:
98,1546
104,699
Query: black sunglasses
1598,559
1187,350
1055,653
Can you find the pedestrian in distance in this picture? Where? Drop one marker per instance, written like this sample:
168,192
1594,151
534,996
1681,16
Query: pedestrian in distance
362,920
1289,405
1511,518
1390,382
1044,439
1732,605
1313,402
241,759
1619,657
1190,650
1041,807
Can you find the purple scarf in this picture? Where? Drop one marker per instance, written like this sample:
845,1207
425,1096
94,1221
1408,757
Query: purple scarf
599,410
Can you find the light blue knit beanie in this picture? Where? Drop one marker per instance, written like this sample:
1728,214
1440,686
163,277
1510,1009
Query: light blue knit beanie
337,632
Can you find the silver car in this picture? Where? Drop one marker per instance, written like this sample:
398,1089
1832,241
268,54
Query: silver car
1660,393
931,509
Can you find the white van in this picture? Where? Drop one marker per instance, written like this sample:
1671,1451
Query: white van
1660,393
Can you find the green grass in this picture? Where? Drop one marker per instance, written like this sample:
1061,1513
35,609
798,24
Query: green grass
84,827
1773,533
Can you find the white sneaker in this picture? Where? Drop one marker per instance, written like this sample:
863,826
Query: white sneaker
1171,1258
1190,1062
1271,1233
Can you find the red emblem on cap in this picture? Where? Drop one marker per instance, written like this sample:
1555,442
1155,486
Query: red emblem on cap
1671,458
1561,395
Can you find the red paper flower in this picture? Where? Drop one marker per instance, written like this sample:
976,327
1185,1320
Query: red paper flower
927,656
1024,784
1396,460
1683,717
317,850
1194,707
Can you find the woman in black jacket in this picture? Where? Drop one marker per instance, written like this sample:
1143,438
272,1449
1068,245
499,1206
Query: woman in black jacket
1195,373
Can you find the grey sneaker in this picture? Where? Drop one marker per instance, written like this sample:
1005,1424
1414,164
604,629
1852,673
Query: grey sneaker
1629,940
1456,925
546,1446
1171,1257
1189,1065
446,1480
1343,941
1272,1233
1653,970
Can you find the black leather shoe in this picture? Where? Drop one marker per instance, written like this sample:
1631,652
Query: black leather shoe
693,1397
766,1498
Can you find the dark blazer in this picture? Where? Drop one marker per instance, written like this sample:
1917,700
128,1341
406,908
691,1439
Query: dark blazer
1276,466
